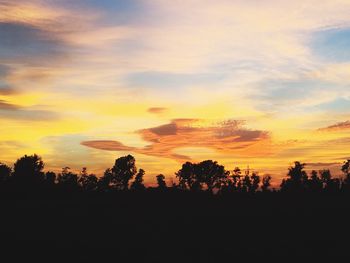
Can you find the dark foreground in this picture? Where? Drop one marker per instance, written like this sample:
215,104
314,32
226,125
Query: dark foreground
158,227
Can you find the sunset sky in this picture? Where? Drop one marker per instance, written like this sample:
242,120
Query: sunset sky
246,82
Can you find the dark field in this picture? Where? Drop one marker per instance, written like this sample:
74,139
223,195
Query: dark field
175,227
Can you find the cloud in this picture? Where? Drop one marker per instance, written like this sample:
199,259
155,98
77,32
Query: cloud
48,16
229,136
12,111
157,110
108,145
340,126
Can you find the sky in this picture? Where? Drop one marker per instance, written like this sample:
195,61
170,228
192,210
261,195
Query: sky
244,82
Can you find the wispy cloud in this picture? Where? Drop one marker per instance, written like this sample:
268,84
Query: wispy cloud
337,127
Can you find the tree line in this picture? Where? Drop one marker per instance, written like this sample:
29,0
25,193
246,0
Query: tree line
28,174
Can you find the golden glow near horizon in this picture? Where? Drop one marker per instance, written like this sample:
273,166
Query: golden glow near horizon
258,83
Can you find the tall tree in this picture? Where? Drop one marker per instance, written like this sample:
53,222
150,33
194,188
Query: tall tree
187,177
211,174
123,171
29,170
297,180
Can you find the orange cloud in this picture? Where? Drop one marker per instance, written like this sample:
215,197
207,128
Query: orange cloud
157,110
345,125
229,136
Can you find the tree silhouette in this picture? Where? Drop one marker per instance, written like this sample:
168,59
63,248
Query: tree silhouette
255,179
29,170
123,171
326,178
207,175
250,183
50,178
315,183
297,180
68,180
346,171
137,184
266,183
104,183
88,182
246,182
235,184
5,173
161,182
211,174
187,177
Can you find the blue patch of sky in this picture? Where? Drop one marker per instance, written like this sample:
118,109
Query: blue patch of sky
332,45
116,12
25,41
339,105
288,90
272,94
